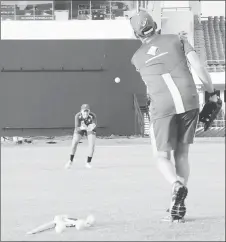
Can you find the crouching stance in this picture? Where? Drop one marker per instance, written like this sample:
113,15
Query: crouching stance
85,125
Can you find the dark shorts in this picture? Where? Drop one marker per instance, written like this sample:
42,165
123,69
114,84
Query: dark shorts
167,132
85,133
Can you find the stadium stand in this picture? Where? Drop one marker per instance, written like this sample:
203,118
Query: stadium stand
209,41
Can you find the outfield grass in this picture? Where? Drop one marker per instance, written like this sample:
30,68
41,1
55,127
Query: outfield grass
124,191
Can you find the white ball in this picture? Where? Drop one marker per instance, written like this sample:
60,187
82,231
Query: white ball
117,79
60,227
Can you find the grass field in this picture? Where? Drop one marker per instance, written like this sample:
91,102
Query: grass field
123,190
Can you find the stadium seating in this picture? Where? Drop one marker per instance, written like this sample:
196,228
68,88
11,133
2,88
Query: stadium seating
199,40
209,39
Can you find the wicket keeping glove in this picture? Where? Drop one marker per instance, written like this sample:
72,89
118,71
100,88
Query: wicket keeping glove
210,111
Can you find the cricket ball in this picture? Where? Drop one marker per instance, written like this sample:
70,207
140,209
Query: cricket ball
117,80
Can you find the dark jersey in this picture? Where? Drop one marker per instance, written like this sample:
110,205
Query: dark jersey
79,120
163,66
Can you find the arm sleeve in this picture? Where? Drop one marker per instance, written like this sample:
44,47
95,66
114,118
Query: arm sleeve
132,62
187,47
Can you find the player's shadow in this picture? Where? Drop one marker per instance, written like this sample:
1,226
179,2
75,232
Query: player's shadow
205,218
121,166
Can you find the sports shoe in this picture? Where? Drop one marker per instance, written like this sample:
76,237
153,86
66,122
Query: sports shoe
171,219
88,166
177,208
68,164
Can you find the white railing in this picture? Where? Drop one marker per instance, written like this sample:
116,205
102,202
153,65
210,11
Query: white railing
215,124
176,9
206,18
27,17
221,61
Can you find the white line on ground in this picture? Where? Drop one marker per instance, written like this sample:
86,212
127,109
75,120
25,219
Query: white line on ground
121,146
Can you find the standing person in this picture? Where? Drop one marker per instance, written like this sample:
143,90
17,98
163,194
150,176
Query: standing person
85,124
162,61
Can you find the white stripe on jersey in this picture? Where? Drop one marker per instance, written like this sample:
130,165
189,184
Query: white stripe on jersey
175,93
157,56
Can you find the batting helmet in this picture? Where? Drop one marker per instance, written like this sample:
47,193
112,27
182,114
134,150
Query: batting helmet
143,24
